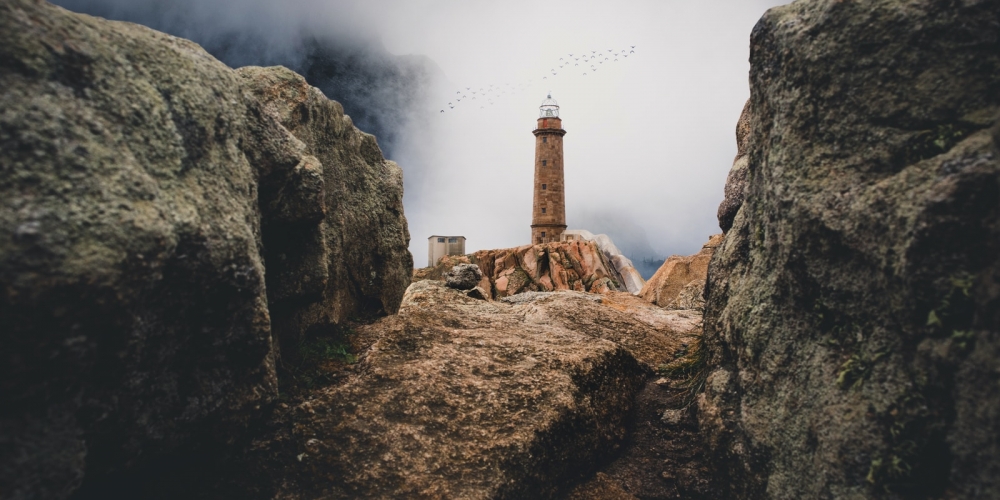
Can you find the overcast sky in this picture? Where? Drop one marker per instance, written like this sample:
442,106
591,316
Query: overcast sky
650,137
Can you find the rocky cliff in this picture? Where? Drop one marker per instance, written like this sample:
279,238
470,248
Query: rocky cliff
852,309
148,196
680,282
621,266
562,265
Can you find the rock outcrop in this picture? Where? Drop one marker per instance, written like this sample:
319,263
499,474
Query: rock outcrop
146,191
736,181
675,285
460,398
624,270
335,238
852,310
565,265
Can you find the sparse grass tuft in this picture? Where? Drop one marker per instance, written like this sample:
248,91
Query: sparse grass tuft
690,369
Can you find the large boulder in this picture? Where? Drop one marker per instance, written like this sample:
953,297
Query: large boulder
853,309
560,265
624,271
681,274
350,258
464,276
461,398
136,173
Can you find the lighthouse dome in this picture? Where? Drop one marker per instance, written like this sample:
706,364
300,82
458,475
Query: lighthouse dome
549,108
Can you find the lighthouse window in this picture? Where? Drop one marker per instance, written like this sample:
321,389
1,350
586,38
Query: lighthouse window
452,240
545,139
543,210
545,186
440,240
543,234
545,162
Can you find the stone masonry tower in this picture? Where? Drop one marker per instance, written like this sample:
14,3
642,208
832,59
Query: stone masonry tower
548,214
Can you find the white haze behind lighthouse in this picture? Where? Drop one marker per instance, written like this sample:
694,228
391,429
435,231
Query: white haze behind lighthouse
650,138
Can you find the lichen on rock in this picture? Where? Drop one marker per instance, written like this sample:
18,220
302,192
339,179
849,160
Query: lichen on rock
146,193
872,196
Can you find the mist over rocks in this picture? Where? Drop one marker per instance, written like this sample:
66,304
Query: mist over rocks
144,272
384,94
851,314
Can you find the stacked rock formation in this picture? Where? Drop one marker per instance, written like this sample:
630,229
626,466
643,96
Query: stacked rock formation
565,265
163,220
680,281
853,309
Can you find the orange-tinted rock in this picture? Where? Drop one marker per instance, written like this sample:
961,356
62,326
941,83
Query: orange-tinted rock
565,265
664,288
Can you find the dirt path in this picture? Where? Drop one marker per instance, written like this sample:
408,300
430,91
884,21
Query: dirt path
663,456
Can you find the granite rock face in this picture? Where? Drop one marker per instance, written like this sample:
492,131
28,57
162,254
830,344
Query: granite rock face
624,271
852,310
339,249
461,398
564,265
736,181
679,275
141,191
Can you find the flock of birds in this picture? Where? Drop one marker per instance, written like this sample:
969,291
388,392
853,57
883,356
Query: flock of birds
588,62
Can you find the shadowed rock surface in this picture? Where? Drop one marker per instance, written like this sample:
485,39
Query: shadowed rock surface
136,174
679,276
852,310
461,398
736,181
350,257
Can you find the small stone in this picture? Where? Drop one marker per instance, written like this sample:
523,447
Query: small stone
478,293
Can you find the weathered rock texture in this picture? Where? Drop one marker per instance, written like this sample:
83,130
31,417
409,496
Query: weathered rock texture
853,309
565,265
679,276
135,176
459,398
334,232
464,276
736,181
624,271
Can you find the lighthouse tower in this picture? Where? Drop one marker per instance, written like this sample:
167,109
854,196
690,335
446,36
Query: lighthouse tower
548,214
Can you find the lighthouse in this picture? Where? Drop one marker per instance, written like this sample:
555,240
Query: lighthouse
548,214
